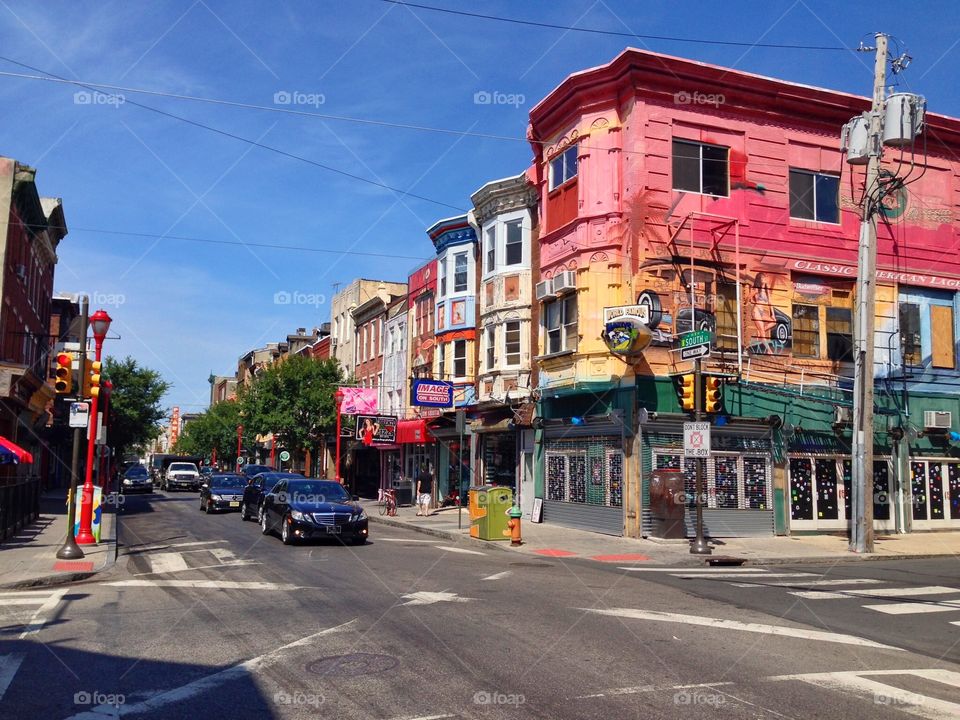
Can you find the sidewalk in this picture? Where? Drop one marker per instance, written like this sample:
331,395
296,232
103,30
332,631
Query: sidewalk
546,540
29,559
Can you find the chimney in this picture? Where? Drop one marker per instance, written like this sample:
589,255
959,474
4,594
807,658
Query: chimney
382,293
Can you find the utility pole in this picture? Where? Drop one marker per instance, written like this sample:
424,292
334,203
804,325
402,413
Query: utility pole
70,549
861,526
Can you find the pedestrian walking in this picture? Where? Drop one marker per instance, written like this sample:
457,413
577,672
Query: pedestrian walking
424,490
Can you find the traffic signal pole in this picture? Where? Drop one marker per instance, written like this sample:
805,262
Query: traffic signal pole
70,550
699,546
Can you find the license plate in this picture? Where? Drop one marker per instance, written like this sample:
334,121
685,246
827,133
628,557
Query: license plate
333,530
234,504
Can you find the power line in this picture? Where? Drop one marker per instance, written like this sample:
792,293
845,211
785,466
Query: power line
243,139
613,33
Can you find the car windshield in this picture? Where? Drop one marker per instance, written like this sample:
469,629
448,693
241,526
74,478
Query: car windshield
256,469
316,491
227,481
190,467
139,470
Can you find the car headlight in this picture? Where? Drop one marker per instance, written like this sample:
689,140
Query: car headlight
297,515
362,515
127,481
218,498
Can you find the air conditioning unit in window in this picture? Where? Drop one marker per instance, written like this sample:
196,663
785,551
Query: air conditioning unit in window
937,419
842,416
544,289
565,282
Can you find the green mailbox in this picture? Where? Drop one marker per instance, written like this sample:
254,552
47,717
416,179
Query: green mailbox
488,512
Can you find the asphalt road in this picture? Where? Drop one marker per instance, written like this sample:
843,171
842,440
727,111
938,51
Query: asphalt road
205,617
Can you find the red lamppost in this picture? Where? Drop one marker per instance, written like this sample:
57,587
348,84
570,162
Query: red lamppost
239,445
338,399
103,472
100,324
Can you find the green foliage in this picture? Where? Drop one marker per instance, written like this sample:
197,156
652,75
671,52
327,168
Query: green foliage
215,428
293,400
135,409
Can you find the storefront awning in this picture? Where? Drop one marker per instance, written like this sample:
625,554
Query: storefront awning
10,452
413,431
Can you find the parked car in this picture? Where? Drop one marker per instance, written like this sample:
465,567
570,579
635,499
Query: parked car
303,509
181,475
252,470
222,492
256,488
136,478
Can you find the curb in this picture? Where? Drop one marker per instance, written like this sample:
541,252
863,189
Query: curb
821,559
457,537
57,579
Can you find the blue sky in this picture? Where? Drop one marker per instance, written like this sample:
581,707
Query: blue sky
188,308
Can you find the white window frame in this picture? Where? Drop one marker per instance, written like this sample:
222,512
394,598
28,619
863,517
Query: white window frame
570,164
462,344
564,325
814,174
490,333
490,247
466,272
442,277
506,345
441,361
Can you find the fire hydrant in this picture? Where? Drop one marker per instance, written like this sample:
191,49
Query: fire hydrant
513,526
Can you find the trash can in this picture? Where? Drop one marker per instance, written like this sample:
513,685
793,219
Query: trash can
488,512
667,504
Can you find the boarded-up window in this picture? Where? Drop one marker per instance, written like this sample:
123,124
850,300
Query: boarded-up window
726,314
910,333
941,336
806,331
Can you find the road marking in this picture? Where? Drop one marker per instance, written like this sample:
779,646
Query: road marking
859,683
25,593
9,664
157,546
167,562
458,550
223,555
650,688
809,583
694,570
727,576
7,602
737,625
497,576
41,616
878,592
210,682
917,607
204,584
429,598
425,717
207,567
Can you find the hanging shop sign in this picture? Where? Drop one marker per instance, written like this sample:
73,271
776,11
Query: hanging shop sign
626,330
431,393
373,429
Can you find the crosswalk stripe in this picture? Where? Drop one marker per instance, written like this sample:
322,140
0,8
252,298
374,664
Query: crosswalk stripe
728,576
7,602
916,608
807,583
167,562
877,592
695,570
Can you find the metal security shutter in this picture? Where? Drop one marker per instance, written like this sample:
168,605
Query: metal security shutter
732,523
595,518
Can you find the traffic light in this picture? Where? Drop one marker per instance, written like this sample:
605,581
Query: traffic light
91,379
713,394
686,391
63,384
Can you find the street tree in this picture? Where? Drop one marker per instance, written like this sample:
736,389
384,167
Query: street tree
135,404
214,429
293,400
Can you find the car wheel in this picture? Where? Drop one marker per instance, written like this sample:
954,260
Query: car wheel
264,527
286,534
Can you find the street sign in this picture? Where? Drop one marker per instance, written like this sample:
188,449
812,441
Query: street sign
79,414
284,456
695,345
240,461
694,352
696,439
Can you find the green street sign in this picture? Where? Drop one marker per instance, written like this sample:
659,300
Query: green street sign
697,337
284,456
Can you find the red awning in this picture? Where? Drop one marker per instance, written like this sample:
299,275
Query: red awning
413,431
22,455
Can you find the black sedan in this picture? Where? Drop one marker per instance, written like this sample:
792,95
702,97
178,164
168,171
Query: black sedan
222,492
257,487
302,509
136,479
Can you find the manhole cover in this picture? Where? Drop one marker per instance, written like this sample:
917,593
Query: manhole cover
531,564
353,664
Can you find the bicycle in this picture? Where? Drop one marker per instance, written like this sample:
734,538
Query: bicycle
388,502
